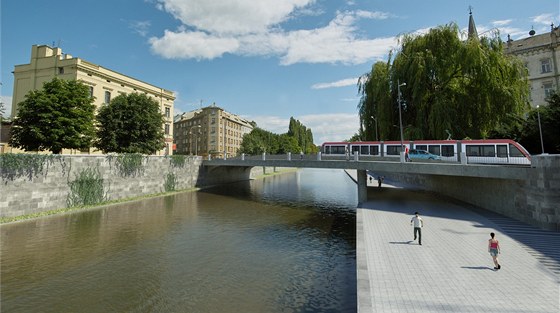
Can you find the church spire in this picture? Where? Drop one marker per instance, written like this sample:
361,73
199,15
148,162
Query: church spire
472,28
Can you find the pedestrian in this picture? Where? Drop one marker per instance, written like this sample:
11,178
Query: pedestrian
418,223
494,249
379,181
301,155
370,178
406,158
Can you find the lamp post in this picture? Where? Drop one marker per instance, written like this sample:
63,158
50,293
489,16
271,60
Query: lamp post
540,129
375,120
196,143
400,114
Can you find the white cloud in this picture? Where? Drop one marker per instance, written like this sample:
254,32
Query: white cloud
195,45
501,22
140,27
253,28
232,16
339,83
545,19
325,127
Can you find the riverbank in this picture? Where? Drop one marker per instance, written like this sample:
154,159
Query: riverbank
101,205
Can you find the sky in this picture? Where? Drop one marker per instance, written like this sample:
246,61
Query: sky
265,60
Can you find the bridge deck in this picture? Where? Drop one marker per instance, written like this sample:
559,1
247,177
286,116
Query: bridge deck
427,168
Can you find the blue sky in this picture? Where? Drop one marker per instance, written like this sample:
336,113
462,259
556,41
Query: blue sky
266,60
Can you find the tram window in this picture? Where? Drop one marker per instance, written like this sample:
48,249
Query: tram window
447,150
327,150
355,149
393,150
364,150
434,150
489,151
473,150
502,151
514,152
338,149
421,147
374,150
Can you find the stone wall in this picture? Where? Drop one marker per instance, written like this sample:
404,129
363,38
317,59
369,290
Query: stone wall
49,189
534,200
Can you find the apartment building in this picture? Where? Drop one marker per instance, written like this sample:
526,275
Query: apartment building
209,131
542,58
104,84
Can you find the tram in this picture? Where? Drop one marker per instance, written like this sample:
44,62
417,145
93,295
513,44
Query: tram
484,151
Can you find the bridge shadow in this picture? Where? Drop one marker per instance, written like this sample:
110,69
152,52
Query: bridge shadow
544,245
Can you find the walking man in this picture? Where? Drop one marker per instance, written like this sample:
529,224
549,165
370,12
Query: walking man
418,224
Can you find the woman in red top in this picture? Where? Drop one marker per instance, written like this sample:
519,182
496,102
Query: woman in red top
494,249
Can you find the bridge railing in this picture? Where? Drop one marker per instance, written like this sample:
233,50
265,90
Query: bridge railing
356,157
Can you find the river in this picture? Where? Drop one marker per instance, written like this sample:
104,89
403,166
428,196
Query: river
284,243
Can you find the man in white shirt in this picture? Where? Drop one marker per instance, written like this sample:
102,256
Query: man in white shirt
418,224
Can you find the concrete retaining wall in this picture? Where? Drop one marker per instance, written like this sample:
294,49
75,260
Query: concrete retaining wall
535,200
49,189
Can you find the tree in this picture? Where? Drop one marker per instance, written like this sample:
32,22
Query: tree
130,123
466,87
60,115
550,124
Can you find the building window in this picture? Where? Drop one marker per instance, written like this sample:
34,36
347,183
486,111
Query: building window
545,66
61,70
167,129
548,89
167,112
91,91
107,97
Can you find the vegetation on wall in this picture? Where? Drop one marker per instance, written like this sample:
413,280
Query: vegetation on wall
14,165
131,123
462,87
170,182
86,189
58,116
128,164
177,160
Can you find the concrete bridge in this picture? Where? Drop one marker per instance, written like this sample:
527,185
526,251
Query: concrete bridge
527,193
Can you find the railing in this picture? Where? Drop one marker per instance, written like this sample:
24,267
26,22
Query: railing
356,157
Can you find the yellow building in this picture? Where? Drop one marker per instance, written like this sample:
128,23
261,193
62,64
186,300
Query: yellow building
104,84
210,131
542,60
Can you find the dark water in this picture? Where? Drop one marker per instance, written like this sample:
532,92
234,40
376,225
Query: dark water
285,243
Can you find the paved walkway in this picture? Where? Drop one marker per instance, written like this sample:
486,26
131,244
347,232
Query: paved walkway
452,270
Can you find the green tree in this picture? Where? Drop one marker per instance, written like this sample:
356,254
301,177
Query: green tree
466,88
131,123
60,115
550,124
259,141
302,135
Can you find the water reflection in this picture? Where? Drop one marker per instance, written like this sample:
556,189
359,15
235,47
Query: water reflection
282,244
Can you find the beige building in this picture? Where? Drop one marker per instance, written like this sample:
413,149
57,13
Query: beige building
542,58
209,131
104,84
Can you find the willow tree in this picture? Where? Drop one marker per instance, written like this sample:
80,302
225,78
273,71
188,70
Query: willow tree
453,86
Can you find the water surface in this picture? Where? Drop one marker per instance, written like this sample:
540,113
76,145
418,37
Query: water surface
284,243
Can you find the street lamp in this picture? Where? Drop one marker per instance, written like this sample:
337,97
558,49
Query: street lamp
196,143
400,114
376,137
540,129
